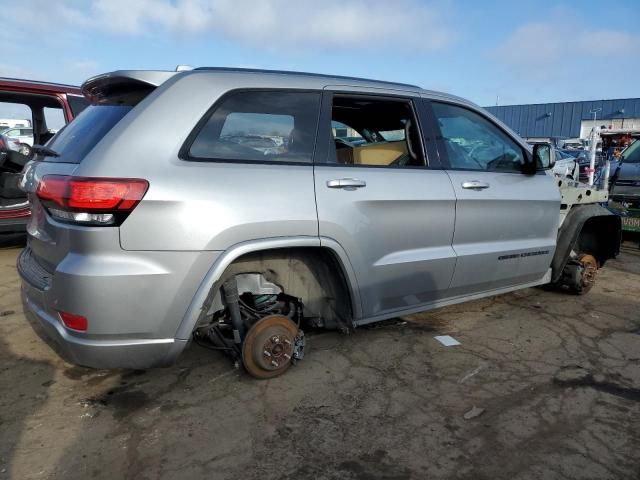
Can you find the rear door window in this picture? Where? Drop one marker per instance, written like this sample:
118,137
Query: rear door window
74,142
264,126
375,131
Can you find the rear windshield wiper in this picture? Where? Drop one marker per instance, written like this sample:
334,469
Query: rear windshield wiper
44,150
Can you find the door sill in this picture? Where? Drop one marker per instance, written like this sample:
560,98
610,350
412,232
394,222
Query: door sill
452,301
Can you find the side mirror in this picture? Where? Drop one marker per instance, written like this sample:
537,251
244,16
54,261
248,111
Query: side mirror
543,158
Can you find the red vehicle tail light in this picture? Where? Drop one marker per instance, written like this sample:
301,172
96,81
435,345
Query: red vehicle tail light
74,322
22,212
90,201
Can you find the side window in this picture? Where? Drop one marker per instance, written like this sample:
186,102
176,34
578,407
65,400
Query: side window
474,143
371,131
259,125
54,118
632,153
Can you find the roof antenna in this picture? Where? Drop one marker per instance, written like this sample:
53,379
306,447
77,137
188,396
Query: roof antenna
183,68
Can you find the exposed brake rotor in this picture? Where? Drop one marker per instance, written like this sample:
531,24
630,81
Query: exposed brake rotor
271,345
589,270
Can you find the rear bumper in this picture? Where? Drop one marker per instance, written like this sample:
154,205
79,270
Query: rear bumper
133,315
135,353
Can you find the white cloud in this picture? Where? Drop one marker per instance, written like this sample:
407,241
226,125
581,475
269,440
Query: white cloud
566,57
553,43
275,24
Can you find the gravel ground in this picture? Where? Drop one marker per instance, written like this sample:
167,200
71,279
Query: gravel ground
543,385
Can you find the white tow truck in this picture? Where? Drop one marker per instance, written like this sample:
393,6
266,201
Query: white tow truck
581,221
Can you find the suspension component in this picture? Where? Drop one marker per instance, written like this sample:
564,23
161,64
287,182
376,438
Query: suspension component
232,299
233,330
580,273
588,268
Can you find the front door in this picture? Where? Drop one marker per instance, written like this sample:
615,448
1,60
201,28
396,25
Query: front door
379,199
506,222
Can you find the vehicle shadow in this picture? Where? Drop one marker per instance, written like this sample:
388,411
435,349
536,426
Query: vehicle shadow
17,240
24,386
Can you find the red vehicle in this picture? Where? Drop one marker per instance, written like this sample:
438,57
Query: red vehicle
42,101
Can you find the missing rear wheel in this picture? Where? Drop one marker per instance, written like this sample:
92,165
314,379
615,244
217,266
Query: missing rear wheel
270,346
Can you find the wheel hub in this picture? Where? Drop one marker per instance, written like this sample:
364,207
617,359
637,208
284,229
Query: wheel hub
276,349
269,346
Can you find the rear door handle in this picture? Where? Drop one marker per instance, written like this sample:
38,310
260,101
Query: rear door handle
475,185
346,183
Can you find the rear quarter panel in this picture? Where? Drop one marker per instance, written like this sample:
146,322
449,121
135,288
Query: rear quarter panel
199,205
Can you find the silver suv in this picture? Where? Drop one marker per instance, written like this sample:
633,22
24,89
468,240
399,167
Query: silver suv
231,206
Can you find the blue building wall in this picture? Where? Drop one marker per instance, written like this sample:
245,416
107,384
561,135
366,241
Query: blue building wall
565,118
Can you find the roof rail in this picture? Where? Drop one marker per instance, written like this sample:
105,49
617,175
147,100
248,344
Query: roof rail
38,82
309,74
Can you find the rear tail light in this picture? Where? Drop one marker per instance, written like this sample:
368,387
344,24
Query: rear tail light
22,212
90,201
74,322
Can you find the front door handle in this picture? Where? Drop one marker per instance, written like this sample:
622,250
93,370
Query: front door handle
346,183
475,185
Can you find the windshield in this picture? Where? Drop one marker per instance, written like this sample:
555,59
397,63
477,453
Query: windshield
632,153
77,139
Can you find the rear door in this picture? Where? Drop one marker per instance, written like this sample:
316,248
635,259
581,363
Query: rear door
506,222
384,199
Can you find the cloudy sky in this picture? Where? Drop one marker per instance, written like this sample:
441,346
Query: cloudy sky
517,51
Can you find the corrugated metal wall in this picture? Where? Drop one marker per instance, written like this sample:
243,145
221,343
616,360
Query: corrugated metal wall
562,120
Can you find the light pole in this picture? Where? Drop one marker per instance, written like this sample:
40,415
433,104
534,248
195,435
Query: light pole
593,139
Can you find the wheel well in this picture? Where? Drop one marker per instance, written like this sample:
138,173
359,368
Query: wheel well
587,229
313,274
598,237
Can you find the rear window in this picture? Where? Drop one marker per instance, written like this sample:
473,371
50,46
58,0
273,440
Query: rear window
77,139
264,126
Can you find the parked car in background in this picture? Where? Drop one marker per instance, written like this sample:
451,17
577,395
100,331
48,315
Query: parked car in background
24,137
7,143
6,123
572,144
566,165
584,162
42,100
625,183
